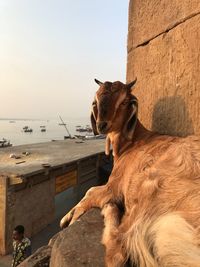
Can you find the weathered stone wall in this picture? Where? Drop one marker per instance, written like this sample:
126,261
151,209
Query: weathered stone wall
33,207
3,202
164,54
76,246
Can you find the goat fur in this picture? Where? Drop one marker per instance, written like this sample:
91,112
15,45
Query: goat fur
157,180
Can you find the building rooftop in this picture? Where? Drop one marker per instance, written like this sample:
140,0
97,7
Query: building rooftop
52,154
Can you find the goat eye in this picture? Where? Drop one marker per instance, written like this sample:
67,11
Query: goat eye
124,103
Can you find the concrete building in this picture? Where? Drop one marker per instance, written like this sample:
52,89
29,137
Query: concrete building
33,188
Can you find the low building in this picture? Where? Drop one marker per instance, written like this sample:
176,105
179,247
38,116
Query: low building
35,180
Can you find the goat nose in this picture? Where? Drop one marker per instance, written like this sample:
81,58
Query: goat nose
102,125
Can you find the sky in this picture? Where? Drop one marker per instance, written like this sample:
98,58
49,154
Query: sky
51,51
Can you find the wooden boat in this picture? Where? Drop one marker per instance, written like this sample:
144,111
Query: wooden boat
87,128
78,136
90,137
27,129
43,128
5,143
68,137
64,124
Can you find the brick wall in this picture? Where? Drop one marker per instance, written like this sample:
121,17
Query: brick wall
164,54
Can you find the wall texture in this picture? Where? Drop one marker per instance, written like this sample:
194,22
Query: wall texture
3,203
164,55
32,207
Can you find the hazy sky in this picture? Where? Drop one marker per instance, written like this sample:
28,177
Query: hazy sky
51,51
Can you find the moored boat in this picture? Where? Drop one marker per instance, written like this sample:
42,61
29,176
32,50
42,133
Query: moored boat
5,143
27,129
43,128
81,129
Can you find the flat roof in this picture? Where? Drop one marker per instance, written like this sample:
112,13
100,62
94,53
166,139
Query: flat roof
54,153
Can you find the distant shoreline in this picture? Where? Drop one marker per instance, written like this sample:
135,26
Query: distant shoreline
45,119
22,119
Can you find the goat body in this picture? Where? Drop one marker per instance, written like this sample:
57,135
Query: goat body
157,180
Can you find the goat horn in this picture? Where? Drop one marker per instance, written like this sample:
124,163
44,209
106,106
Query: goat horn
129,85
98,82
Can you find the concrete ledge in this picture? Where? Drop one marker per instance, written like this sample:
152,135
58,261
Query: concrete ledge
80,244
40,258
76,246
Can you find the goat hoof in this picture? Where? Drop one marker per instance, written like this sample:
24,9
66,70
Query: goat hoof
63,224
66,220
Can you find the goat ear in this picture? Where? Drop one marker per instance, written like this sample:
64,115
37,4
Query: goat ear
93,123
130,124
98,82
131,84
93,118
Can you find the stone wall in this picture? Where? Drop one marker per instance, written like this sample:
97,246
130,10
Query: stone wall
76,246
164,54
33,207
3,202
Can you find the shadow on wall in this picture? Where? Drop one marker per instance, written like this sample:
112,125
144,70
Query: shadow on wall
170,116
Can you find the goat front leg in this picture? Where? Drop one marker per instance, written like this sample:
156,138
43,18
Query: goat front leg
96,197
112,239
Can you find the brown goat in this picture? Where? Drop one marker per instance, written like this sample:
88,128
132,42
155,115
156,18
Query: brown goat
157,180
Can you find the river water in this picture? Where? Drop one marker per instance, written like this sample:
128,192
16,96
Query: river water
14,131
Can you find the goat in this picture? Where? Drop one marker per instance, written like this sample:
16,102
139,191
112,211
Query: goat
156,178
